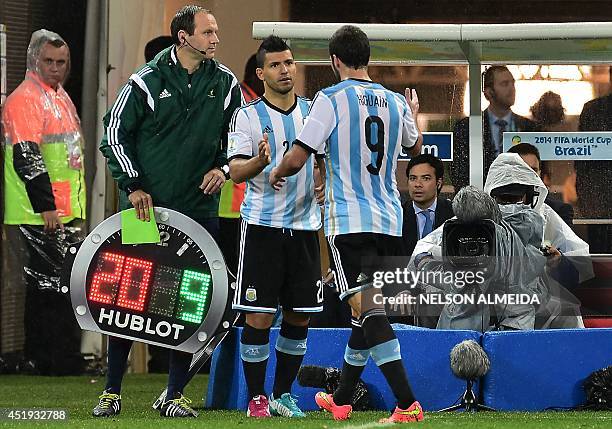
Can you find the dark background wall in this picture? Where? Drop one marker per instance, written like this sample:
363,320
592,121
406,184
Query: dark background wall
65,17
450,11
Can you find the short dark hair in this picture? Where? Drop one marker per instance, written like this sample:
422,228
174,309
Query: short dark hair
155,46
185,20
548,110
426,158
271,43
525,149
351,45
488,77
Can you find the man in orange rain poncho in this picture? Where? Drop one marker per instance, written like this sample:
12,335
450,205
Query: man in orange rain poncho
44,190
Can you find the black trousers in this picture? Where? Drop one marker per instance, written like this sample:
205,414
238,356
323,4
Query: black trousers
52,334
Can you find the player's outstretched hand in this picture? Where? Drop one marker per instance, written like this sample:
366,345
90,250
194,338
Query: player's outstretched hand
413,101
264,150
276,181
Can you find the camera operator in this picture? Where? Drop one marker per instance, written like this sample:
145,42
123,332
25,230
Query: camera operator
480,241
520,194
514,184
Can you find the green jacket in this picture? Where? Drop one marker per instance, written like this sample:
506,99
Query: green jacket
164,133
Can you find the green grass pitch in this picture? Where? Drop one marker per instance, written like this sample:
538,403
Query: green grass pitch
78,395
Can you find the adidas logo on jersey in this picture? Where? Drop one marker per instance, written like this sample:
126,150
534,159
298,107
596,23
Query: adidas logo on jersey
165,94
268,129
362,278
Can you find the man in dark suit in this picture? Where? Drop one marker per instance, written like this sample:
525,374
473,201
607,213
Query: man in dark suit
593,177
531,155
498,88
426,211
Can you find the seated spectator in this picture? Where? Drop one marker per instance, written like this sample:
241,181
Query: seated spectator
427,210
549,114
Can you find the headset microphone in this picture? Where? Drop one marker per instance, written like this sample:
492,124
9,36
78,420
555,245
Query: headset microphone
191,46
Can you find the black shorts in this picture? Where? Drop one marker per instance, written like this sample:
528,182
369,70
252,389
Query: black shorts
278,266
357,256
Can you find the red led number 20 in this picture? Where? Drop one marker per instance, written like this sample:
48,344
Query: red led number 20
129,275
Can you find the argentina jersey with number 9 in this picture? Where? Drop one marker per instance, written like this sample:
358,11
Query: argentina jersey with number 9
363,126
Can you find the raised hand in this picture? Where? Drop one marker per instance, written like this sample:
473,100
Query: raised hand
264,150
413,101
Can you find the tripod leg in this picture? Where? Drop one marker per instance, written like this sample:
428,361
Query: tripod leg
480,407
453,408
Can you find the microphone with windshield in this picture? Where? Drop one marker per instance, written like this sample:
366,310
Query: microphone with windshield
469,362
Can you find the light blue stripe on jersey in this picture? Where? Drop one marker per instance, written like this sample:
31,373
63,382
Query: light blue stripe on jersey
376,183
333,210
304,106
394,118
291,182
268,192
306,207
356,162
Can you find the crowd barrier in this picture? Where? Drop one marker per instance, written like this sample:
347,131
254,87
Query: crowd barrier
530,370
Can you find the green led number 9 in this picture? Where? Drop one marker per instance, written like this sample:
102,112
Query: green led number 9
193,296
